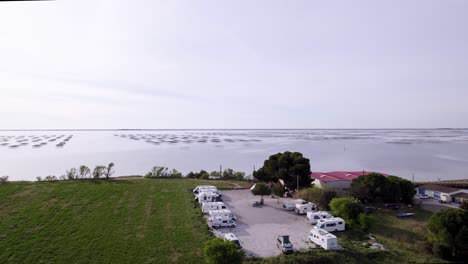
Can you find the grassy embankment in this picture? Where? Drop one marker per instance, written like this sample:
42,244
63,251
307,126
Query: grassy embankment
114,221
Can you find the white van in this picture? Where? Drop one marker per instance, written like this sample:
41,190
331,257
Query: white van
314,217
323,239
205,197
206,207
222,212
291,204
305,208
331,225
217,222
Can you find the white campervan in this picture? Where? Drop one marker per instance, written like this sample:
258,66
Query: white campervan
206,187
314,217
291,204
222,212
205,197
217,222
332,224
323,239
305,208
206,207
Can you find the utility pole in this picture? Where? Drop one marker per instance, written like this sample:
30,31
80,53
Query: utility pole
220,170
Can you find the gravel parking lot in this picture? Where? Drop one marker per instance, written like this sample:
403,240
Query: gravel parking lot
258,227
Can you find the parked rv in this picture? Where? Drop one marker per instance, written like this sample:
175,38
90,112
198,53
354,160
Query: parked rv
323,239
284,244
222,213
314,217
305,208
205,197
331,225
198,188
206,207
232,238
217,222
291,205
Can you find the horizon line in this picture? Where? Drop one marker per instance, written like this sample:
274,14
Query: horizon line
181,129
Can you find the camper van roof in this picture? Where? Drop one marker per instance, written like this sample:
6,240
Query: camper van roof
230,236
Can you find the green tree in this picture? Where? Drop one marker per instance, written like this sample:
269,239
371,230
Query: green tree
71,174
325,198
98,171
84,172
239,175
109,170
278,190
261,189
448,231
263,176
219,251
291,167
347,208
157,171
368,187
408,190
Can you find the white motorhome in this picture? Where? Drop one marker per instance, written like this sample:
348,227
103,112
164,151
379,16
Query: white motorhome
222,212
331,225
232,238
314,217
206,207
202,190
217,222
305,208
291,204
200,187
205,197
323,239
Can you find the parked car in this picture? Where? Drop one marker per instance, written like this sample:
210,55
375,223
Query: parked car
284,245
370,209
232,238
423,196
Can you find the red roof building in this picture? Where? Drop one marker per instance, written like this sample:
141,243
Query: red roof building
337,179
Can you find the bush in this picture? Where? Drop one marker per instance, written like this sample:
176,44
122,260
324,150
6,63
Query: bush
464,205
163,172
219,251
449,229
4,179
365,221
348,208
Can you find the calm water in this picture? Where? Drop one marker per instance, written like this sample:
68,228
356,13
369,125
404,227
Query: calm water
429,154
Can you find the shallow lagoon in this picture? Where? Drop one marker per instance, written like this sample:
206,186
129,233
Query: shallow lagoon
429,154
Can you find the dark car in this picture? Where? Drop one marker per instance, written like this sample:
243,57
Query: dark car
285,245
370,209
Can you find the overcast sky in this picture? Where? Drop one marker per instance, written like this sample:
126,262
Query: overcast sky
233,64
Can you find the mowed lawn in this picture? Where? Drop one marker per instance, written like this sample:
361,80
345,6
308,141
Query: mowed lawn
115,221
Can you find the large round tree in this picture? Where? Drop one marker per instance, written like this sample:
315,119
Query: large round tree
291,167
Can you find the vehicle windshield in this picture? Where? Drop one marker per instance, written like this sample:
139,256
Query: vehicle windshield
287,245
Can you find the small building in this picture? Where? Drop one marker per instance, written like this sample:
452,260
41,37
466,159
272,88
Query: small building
460,197
443,193
337,179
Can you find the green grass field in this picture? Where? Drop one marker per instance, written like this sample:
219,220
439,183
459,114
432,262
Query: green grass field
118,221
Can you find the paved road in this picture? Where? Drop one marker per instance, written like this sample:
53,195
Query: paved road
434,205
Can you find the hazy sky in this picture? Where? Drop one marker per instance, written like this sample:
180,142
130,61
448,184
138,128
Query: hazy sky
233,64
